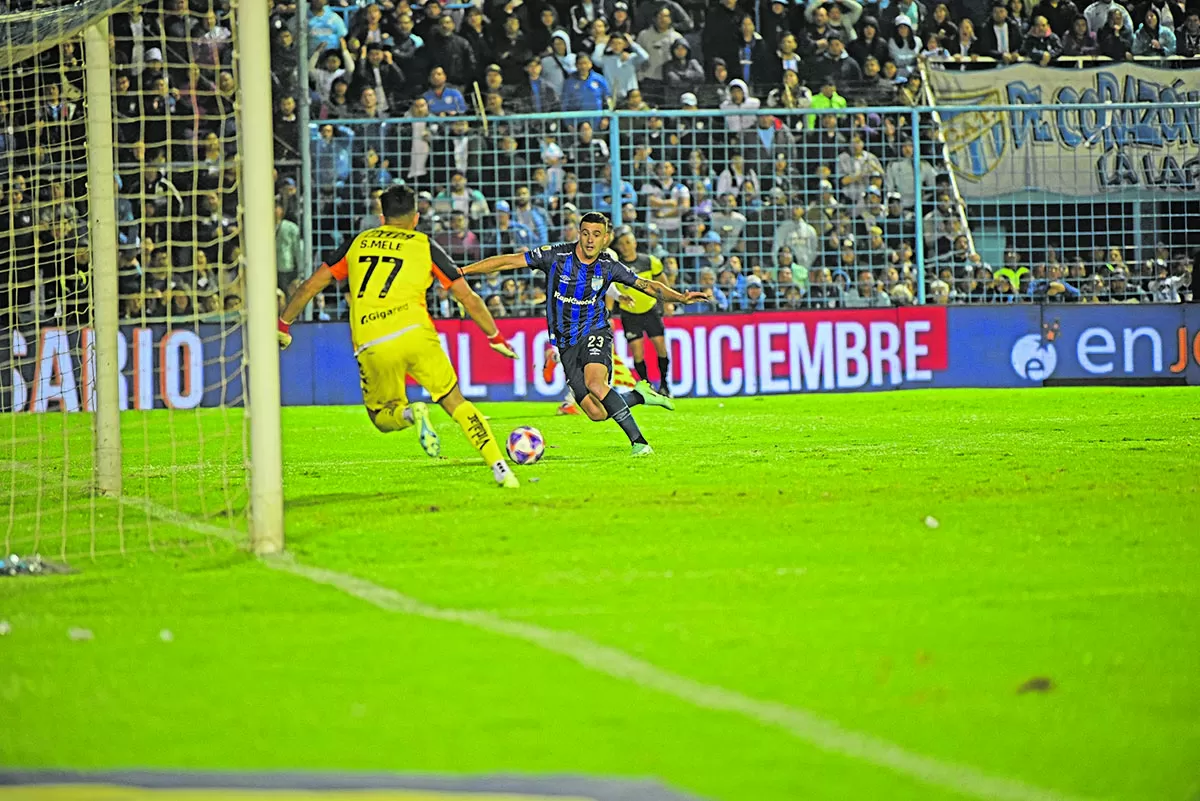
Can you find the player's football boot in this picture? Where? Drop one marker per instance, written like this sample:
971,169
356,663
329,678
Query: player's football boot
641,449
430,442
504,476
664,389
654,398
566,407
550,362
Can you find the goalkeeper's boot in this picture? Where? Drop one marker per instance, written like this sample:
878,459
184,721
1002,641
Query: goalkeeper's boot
664,389
504,476
652,397
641,449
430,442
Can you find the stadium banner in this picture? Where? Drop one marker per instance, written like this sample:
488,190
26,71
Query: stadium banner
1066,149
51,369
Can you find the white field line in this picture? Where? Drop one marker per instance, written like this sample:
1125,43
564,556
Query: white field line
806,726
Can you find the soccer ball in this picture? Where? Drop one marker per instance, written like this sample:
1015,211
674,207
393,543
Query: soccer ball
526,445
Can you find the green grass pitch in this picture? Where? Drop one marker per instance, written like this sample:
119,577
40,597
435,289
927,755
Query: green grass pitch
773,546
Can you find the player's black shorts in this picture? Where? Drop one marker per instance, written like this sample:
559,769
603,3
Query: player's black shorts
638,325
595,348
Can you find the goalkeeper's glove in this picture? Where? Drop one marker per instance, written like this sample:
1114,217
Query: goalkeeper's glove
501,346
285,338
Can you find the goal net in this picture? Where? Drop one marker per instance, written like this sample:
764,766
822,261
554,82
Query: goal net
176,185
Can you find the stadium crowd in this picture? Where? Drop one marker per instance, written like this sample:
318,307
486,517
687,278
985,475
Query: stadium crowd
768,204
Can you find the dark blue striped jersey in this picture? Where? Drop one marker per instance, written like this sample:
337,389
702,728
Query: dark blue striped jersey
575,291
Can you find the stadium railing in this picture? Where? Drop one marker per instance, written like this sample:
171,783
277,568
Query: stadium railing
1046,236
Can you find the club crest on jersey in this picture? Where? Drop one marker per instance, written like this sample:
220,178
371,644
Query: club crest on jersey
597,282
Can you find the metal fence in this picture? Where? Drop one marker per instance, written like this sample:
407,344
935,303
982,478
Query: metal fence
786,209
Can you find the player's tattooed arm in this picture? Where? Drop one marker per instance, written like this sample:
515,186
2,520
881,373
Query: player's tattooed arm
663,292
494,264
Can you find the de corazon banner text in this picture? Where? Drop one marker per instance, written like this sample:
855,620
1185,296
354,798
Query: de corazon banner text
1066,148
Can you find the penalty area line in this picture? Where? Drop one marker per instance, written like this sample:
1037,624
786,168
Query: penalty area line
803,725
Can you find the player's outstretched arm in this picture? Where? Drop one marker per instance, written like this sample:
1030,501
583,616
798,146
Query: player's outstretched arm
478,310
312,287
494,264
663,292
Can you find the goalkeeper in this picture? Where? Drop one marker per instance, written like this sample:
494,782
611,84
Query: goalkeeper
389,269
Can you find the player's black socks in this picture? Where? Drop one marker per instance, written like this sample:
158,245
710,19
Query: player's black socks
633,398
618,410
640,367
664,370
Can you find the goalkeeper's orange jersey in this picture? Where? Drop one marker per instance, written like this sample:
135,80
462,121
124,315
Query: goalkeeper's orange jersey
389,269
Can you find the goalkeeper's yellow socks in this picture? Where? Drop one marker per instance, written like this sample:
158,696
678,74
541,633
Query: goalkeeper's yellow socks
479,434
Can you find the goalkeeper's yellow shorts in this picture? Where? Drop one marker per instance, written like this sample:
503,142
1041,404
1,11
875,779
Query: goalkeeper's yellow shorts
413,351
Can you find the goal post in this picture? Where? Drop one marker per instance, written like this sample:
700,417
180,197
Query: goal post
102,225
262,345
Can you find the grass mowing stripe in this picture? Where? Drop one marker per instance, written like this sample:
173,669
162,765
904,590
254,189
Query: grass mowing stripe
812,729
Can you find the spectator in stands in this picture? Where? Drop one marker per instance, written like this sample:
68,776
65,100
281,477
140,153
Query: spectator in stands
1153,38
370,27
586,90
602,190
620,22
714,91
903,47
534,94
939,24
836,65
828,97
965,47
754,298
430,20
460,242
1000,38
785,58
900,178
581,16
722,33
459,196
377,71
587,154
325,68
620,58
537,38
560,64
288,247
1059,14
657,42
1188,35
443,100
510,236
775,23
913,9
531,216
855,166
799,238
1042,45
1097,15
668,200
729,223
866,293
736,174
869,44
819,31
752,54
682,71
512,50
741,100
1079,41
326,28
408,47
367,107
446,49
1115,38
